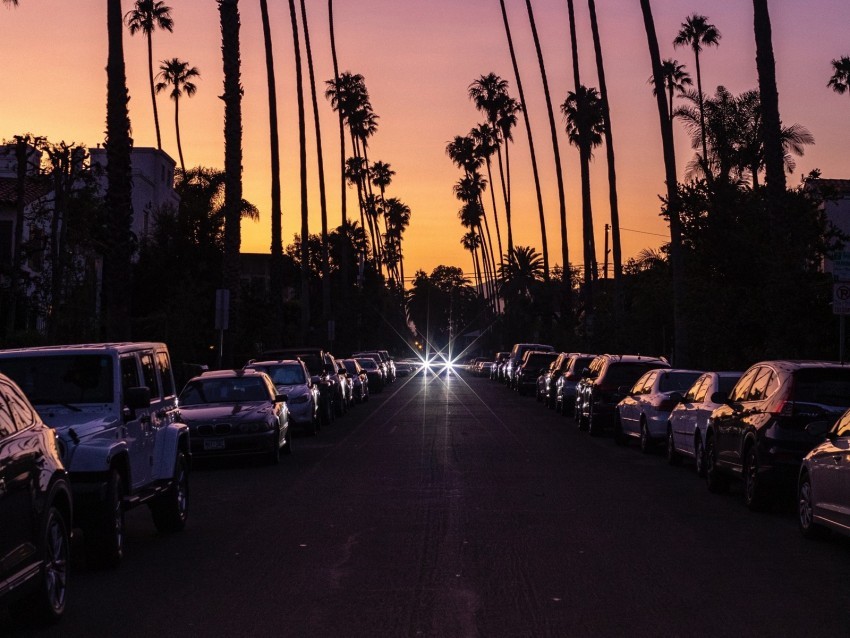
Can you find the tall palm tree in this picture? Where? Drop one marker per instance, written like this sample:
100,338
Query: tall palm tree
119,205
397,216
680,337
676,81
323,206
486,140
302,157
232,96
840,80
562,206
471,241
178,75
534,170
523,271
609,147
695,32
146,17
583,113
276,266
506,123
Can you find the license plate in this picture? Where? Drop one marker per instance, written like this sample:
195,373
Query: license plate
214,444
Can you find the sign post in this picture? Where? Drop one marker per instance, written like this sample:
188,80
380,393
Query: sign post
839,263
222,319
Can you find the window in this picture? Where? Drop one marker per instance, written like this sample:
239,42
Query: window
129,373
842,428
21,411
697,392
150,374
65,378
165,374
648,382
7,424
742,388
758,390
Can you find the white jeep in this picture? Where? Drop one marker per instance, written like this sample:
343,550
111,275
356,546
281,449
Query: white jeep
113,406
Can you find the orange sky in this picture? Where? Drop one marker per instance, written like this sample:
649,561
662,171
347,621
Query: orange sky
418,57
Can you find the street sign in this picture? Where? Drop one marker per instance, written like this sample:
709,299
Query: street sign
841,298
839,265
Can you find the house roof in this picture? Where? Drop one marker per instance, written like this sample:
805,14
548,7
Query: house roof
9,191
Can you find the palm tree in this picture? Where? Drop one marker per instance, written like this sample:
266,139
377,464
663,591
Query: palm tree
178,75
302,156
323,206
583,113
276,266
680,339
840,80
232,96
534,171
471,241
397,218
696,32
147,16
562,207
119,206
523,271
486,140
676,80
507,121
609,148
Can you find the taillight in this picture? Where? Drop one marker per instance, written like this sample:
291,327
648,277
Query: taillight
785,409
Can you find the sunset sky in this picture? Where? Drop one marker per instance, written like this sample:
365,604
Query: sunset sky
418,58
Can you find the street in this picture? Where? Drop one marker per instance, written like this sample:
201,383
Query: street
450,506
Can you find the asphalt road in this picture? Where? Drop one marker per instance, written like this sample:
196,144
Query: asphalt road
453,507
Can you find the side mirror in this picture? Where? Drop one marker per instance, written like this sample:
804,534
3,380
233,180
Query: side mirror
819,428
316,379
281,398
676,397
625,389
585,372
137,398
720,397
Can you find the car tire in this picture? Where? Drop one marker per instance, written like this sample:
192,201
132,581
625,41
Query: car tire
619,436
645,439
171,510
699,456
47,603
805,516
755,496
593,427
287,447
105,531
714,480
673,457
273,456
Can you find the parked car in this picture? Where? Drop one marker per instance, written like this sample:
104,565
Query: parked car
330,391
347,383
498,363
291,377
359,378
382,367
644,412
516,356
823,484
565,387
533,364
601,387
35,511
236,413
404,367
388,361
688,421
114,409
759,432
548,379
373,372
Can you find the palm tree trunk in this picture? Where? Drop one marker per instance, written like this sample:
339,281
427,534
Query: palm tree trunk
276,266
701,117
326,272
342,195
495,212
565,250
609,147
119,203
302,157
177,132
543,238
153,92
774,163
505,177
680,328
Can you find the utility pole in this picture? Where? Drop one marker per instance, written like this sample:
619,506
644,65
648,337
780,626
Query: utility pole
605,264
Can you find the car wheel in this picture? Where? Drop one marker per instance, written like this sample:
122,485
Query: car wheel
805,514
105,532
673,457
287,447
327,412
699,456
171,510
47,602
645,440
619,435
593,427
714,480
755,497
273,456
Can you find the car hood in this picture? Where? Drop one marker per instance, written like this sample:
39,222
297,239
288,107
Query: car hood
84,419
292,391
230,412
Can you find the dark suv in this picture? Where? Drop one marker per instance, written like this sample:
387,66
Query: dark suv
759,433
534,363
324,375
35,510
600,389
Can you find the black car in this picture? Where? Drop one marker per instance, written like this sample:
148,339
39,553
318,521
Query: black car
236,412
759,432
533,365
322,372
373,372
35,511
360,379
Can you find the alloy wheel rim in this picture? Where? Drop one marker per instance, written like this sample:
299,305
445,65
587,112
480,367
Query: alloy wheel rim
56,563
805,505
752,470
182,492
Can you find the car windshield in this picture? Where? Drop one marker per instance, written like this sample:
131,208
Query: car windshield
62,379
228,390
286,374
539,360
369,364
626,373
677,381
351,366
823,386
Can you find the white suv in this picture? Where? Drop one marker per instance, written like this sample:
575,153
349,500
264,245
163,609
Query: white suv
114,408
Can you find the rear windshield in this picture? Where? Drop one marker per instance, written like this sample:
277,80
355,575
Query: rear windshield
62,379
540,360
289,374
725,384
823,386
233,390
369,364
620,373
677,381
